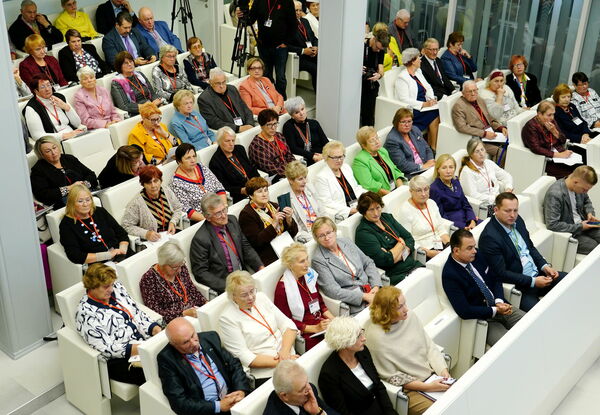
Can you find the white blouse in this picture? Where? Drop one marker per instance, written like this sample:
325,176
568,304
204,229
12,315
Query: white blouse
501,112
416,222
34,122
485,183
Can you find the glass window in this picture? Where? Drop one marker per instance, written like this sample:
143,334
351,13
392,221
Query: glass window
590,55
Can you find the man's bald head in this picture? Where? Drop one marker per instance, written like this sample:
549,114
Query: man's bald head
182,335
146,18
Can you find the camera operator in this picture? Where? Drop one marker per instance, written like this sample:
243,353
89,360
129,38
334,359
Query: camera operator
276,26
374,51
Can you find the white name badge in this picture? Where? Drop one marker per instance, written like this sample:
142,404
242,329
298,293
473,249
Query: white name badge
313,306
309,44
238,121
506,107
268,23
577,121
437,245
466,77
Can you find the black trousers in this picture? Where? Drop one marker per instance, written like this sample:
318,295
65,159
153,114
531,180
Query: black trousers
119,370
368,96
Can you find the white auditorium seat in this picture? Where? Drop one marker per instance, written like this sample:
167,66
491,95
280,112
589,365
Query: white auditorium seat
69,94
93,149
236,82
147,70
246,137
167,113
205,154
56,48
97,42
116,198
209,313
524,166
449,139
119,132
386,104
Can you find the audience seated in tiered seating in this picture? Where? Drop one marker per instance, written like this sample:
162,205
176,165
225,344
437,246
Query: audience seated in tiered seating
384,240
130,87
523,84
474,287
167,287
511,255
77,55
188,124
55,173
297,295
586,100
89,233
152,135
421,217
568,118
198,63
499,99
106,14
39,62
257,91
304,136
433,70
393,324
122,38
211,266
111,322
48,114
448,194
262,221
372,166
192,181
568,208
186,383
93,103
156,32
154,209
253,329
30,22
222,106
459,65
74,19
305,44
348,380
124,165
345,272
406,146
168,77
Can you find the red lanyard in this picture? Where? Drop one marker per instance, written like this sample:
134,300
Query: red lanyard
310,212
347,264
302,30
95,231
481,115
586,97
198,125
48,73
275,144
55,115
265,324
270,9
458,55
387,229
486,176
183,296
305,138
231,246
305,289
139,85
210,375
173,80
122,308
429,220
200,178
157,141
238,166
419,82
384,166
196,65
342,181
230,107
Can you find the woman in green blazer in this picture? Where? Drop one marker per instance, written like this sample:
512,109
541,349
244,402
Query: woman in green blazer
372,166
384,240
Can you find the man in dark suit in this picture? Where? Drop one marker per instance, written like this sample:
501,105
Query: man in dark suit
219,247
30,22
106,14
507,248
473,291
433,71
306,45
222,106
198,375
293,393
121,38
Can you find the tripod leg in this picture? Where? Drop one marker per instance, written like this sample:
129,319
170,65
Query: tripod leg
191,18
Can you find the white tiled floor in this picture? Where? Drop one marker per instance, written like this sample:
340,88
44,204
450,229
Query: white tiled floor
583,397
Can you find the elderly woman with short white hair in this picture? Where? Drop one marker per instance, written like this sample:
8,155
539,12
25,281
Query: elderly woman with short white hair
297,295
167,287
253,329
188,124
304,136
231,164
499,99
167,77
348,380
93,103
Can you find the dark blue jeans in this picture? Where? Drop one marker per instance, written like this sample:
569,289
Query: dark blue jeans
274,57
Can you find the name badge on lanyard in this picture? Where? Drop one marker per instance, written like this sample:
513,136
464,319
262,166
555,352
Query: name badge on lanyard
268,23
313,306
577,121
438,245
308,44
238,121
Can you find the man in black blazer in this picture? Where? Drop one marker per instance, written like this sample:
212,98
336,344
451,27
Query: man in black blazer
106,14
198,375
509,251
121,38
30,22
433,71
293,391
306,45
219,247
473,291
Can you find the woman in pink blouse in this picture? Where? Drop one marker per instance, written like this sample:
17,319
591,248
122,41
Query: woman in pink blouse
93,103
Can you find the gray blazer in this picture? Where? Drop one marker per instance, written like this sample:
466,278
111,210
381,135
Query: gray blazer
216,113
207,257
558,213
402,155
335,279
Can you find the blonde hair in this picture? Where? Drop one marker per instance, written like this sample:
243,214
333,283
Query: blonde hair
97,275
441,160
384,308
237,279
320,222
180,96
333,145
295,169
74,193
363,134
290,253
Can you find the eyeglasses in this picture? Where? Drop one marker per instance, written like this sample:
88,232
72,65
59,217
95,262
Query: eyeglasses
256,68
222,212
219,83
273,124
421,190
433,49
155,120
170,55
325,234
84,201
406,122
45,86
337,158
251,293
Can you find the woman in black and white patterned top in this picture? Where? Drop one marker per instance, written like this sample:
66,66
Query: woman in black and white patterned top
76,55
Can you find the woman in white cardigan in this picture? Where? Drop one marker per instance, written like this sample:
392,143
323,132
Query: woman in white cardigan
155,209
499,99
412,88
335,187
402,351
480,177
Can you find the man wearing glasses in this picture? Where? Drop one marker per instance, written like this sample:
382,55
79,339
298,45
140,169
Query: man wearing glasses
433,71
219,247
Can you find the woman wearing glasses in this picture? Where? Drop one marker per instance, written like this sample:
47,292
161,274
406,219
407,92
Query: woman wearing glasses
258,92
152,135
167,287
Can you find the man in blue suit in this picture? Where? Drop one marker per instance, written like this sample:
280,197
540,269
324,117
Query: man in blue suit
121,38
507,248
156,33
473,291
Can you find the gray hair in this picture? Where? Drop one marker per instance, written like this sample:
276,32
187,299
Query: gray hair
237,279
296,2
417,182
333,145
224,131
37,147
472,145
85,71
170,253
430,41
342,333
27,3
164,49
409,55
402,13
210,201
293,104
285,373
467,83
214,72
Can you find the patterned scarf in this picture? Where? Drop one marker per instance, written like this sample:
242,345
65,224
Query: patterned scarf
159,208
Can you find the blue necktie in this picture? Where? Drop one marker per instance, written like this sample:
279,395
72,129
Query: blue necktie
487,294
